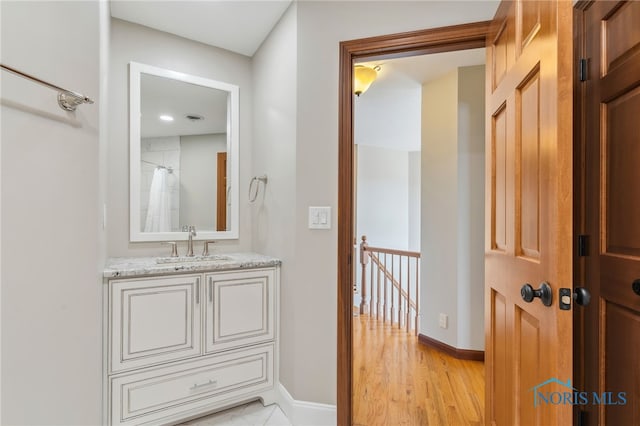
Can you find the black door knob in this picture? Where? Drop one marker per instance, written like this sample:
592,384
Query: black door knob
581,296
545,294
635,286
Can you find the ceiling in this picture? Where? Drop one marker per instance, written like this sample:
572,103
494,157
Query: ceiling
388,115
178,99
412,70
236,25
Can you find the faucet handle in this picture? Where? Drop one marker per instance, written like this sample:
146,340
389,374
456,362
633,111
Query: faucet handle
205,252
174,248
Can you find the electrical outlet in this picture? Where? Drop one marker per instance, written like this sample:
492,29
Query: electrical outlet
443,320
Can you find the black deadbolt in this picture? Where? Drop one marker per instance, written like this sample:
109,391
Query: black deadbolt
636,286
544,293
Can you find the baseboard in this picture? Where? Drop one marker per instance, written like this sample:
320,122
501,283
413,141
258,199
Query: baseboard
304,413
466,354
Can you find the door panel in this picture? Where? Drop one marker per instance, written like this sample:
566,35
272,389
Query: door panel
621,154
499,382
612,201
240,308
621,34
499,181
528,169
622,334
529,359
529,210
153,320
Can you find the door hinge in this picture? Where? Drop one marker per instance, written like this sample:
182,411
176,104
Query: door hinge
582,69
583,245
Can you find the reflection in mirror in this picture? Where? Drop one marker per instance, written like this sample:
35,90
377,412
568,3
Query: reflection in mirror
180,173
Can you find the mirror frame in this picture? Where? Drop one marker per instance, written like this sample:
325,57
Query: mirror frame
233,149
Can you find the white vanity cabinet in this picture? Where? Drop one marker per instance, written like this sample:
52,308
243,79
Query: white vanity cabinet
184,344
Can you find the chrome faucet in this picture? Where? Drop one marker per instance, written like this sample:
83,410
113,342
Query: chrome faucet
192,233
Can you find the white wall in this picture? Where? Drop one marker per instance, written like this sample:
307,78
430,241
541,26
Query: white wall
51,252
438,266
388,117
414,200
273,214
471,161
452,262
383,196
132,42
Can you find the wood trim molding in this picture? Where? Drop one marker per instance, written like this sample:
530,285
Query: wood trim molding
435,40
466,354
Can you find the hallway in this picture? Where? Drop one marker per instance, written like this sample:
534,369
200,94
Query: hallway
402,382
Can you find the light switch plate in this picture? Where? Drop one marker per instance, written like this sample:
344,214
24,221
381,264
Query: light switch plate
319,217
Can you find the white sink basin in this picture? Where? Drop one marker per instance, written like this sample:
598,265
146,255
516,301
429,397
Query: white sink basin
185,259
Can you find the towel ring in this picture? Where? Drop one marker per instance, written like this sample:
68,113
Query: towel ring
256,180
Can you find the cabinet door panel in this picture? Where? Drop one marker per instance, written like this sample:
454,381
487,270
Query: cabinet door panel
240,308
154,320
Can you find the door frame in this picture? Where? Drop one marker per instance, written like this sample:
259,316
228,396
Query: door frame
436,40
579,189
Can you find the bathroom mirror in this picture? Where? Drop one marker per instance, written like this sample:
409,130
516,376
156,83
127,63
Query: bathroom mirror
183,155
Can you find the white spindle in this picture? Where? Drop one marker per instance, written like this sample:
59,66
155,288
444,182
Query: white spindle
401,298
371,305
407,320
393,276
378,298
384,308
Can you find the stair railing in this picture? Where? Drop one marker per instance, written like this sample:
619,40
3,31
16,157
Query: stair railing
394,277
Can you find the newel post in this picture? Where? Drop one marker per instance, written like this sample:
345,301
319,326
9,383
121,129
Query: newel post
364,259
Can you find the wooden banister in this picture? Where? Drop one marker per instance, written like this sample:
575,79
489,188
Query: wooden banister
396,284
388,276
393,251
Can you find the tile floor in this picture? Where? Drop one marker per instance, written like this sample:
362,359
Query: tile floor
252,414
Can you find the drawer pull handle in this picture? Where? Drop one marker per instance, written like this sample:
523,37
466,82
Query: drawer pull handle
204,385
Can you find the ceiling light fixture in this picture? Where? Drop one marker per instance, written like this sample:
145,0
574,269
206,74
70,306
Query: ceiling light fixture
165,117
363,76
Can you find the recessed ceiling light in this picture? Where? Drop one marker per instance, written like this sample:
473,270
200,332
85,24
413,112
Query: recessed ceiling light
166,118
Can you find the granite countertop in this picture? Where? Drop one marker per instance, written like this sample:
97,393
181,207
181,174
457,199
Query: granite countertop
118,267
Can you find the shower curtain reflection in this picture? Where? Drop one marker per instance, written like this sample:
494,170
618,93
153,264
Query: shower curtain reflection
159,212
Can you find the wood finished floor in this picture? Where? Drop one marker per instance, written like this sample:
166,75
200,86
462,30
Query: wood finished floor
398,381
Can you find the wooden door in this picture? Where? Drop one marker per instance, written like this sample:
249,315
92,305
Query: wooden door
529,212
612,211
221,191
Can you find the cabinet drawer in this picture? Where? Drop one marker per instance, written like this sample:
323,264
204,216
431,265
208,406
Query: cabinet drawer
157,393
239,309
153,320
